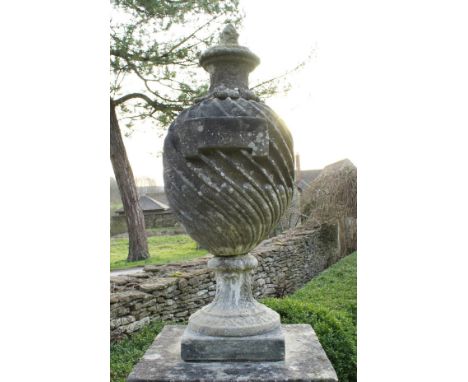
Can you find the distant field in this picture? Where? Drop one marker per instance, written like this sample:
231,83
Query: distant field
163,249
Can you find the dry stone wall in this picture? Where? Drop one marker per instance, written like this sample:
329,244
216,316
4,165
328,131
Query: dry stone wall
173,292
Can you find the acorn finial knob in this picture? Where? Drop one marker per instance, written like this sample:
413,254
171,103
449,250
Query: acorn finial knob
229,36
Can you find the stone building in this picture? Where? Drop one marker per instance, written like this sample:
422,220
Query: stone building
156,213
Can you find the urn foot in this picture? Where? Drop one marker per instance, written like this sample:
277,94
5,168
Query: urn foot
263,347
234,326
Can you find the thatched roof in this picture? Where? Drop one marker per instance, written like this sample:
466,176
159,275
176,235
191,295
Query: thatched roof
305,178
332,193
332,199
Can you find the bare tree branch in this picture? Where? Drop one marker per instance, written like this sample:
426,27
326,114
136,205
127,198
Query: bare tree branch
156,105
189,36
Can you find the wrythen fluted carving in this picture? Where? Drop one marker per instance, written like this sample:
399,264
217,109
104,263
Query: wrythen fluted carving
229,198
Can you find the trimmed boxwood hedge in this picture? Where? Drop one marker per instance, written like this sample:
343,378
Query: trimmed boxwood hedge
334,330
328,304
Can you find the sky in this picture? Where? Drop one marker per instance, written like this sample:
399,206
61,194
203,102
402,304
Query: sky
315,107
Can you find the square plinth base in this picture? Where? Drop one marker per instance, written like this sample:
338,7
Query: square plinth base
305,361
265,347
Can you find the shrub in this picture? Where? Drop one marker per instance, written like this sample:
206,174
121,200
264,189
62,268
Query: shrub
328,304
335,331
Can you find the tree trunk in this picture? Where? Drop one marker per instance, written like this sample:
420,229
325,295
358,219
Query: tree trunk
137,243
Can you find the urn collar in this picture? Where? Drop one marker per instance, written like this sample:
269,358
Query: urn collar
229,65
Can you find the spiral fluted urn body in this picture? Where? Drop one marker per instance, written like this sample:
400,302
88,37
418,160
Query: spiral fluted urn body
228,159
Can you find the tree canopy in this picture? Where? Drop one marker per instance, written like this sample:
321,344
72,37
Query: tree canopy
151,41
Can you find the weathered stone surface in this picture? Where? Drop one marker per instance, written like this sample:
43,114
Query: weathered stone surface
162,283
228,159
152,268
134,326
120,280
229,177
305,361
234,311
130,295
121,321
167,269
263,347
141,275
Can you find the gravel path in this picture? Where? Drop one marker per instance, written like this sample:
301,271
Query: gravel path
126,271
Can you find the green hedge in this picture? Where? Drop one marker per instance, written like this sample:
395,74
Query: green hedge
328,304
334,330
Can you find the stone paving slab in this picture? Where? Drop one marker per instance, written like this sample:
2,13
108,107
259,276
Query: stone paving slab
305,361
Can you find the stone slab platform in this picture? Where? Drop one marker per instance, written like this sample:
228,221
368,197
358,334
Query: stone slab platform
201,348
305,361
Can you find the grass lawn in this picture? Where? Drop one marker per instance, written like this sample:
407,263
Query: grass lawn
335,288
163,249
327,302
126,353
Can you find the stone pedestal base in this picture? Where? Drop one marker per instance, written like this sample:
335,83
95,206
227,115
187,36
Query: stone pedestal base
263,347
305,361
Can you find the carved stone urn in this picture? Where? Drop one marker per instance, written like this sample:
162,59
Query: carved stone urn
228,174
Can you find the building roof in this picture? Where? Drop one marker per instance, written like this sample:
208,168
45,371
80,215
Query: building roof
148,204
305,178
159,196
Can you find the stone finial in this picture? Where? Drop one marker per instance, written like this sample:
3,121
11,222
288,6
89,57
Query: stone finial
229,36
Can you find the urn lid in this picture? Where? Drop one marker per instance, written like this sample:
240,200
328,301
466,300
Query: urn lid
229,50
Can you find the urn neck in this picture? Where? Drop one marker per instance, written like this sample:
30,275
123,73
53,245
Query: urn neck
227,74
